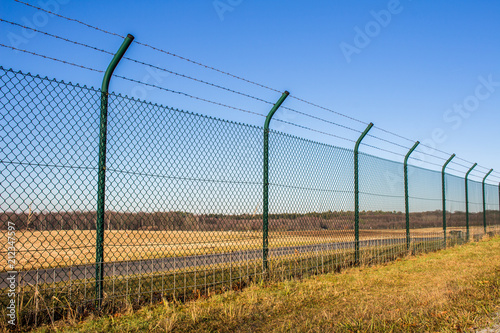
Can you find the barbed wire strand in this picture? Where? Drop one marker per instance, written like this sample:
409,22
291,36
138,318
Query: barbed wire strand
178,74
222,72
188,95
208,101
132,80
51,58
381,149
69,19
423,161
232,107
392,133
478,166
459,158
191,61
177,92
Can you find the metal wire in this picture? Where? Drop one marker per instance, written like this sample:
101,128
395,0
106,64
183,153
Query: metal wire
69,19
51,58
382,149
392,133
56,36
189,95
220,87
388,141
184,201
229,74
232,107
426,162
181,75
329,110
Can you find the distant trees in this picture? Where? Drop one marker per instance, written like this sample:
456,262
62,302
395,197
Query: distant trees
177,220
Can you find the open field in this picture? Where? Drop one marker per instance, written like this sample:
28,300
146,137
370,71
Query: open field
454,290
41,302
58,248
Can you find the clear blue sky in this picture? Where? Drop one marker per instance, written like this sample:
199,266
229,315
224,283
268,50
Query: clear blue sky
405,72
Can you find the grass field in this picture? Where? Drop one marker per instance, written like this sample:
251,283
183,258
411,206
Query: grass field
56,248
41,303
455,290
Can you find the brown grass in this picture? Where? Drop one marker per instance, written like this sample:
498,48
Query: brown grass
454,290
46,249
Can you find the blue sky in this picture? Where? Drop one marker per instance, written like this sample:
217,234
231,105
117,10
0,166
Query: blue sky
411,68
426,70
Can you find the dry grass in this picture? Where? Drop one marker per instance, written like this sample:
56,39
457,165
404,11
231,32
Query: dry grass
449,291
47,249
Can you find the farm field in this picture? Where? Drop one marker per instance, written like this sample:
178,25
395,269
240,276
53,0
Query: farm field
57,248
446,291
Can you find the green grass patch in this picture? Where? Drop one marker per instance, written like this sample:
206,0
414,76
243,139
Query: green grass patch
454,290
49,303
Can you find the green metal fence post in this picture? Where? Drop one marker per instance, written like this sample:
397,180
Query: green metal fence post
101,182
265,203
467,201
407,206
443,188
484,199
356,194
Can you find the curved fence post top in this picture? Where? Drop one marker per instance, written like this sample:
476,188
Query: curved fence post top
447,162
471,168
361,137
411,151
274,109
486,176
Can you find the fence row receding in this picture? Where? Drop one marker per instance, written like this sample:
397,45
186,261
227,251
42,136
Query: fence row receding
190,207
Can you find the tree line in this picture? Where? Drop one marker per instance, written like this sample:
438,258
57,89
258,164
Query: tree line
177,220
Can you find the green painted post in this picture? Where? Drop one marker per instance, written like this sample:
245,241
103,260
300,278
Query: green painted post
265,203
101,182
484,199
356,194
407,206
467,200
443,188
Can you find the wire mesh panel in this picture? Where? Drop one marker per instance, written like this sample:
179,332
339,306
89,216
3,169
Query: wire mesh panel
48,145
492,208
310,202
475,209
381,194
425,198
184,203
382,205
49,135
425,207
184,191
455,209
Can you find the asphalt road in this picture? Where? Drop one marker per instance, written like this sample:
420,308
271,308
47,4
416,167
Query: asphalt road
124,268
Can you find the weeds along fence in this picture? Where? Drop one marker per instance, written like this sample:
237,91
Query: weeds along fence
185,211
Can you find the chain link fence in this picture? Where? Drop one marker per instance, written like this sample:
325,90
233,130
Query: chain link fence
184,214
